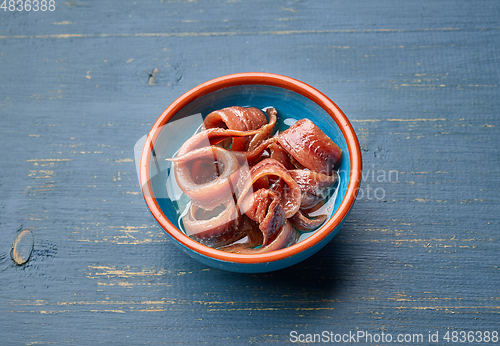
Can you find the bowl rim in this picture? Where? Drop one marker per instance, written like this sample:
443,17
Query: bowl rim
254,78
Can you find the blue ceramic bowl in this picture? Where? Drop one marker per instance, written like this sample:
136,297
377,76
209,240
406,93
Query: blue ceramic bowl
293,100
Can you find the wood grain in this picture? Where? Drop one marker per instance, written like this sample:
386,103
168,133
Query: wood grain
80,85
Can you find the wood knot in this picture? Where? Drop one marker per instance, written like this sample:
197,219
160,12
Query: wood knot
22,247
151,79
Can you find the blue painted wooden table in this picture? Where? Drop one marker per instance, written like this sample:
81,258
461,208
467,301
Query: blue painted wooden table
418,255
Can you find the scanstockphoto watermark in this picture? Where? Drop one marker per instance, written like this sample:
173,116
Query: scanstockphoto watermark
368,337
371,178
359,336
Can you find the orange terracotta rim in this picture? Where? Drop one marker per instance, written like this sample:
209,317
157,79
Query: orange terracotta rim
255,78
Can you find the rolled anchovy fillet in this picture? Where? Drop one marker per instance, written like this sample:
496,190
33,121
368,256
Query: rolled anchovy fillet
237,118
290,198
286,237
210,194
314,186
311,147
303,223
213,228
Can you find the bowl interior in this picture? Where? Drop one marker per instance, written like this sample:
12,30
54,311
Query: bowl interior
290,105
